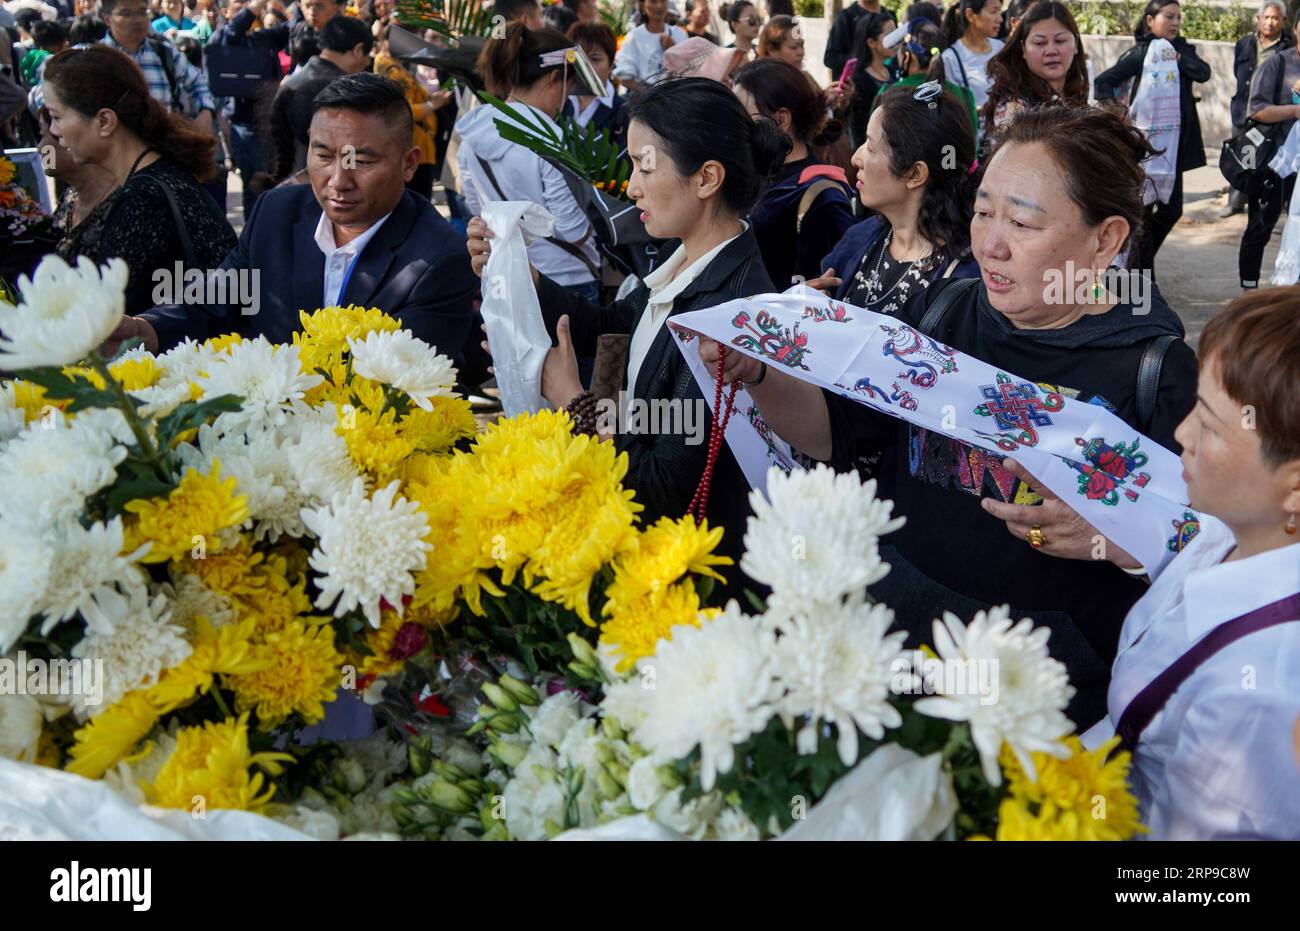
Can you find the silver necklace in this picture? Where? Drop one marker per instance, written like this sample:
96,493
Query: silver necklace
875,273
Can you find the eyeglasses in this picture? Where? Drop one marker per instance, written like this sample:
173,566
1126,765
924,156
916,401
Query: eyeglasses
754,21
131,14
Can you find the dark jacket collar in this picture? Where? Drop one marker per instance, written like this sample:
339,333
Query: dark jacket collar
372,265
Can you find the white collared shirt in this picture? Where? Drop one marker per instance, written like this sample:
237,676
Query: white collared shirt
339,259
1219,760
642,56
583,116
665,283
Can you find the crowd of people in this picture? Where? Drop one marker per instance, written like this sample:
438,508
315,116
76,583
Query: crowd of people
953,162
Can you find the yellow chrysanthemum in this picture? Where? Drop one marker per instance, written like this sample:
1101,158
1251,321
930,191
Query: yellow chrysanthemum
200,507
436,431
136,373
7,170
324,335
31,400
663,554
223,343
636,627
281,602
234,571
300,674
111,735
375,443
212,762
228,650
1083,797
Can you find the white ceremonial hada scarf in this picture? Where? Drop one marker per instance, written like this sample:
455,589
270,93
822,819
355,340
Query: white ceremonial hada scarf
1124,484
1156,110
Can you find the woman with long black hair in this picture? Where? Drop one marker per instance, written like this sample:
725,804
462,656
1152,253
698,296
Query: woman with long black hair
970,40
1043,63
699,165
1162,19
871,73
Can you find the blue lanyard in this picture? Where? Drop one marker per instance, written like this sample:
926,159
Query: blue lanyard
347,276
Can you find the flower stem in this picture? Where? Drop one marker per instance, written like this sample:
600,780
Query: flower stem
147,449
221,702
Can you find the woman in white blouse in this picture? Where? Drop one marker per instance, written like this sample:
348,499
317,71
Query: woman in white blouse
641,59
523,67
970,29
1205,689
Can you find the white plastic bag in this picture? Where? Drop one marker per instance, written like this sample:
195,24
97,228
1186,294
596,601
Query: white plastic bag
1286,269
515,330
1155,110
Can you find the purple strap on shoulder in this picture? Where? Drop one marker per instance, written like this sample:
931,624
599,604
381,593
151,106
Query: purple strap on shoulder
1148,702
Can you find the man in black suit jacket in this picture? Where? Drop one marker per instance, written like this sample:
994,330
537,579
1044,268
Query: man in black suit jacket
409,261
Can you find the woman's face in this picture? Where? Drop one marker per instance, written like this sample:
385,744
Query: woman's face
1223,464
656,11
791,50
173,9
1027,232
1269,23
878,187
749,24
599,61
670,204
59,165
1167,21
77,133
1050,50
878,52
987,21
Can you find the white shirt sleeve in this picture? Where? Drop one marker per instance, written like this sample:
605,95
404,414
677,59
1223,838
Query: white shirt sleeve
571,222
627,61
1233,773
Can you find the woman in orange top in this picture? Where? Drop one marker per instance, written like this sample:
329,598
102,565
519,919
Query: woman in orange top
424,108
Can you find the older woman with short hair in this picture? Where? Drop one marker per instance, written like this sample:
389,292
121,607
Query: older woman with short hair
1206,687
1062,196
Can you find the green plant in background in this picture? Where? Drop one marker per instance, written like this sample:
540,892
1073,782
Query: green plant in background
615,15
585,150
809,9
451,18
1201,20
7,292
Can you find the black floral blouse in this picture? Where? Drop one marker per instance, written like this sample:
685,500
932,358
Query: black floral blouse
135,223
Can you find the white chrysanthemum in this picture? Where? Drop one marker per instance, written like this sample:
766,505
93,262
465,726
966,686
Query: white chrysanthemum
815,535
65,314
837,663
269,379
1025,708
644,787
134,636
24,576
395,357
734,825
367,549
318,458
12,417
710,686
263,473
21,722
48,470
87,563
189,600
185,362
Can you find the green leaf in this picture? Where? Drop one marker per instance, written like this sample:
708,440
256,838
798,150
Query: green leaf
191,414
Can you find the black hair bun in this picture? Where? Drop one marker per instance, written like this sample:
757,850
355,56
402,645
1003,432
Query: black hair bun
770,146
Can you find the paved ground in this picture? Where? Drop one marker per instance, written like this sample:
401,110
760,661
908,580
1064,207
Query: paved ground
1197,266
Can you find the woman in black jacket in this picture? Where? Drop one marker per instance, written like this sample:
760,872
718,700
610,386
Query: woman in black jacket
1082,342
699,163
1162,19
1270,36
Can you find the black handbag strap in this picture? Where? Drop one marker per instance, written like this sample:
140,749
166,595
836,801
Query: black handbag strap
1148,379
187,246
943,303
1142,710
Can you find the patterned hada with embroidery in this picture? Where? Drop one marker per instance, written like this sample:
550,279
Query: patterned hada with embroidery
765,434
1185,529
1107,470
783,345
1018,410
864,386
834,313
923,358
